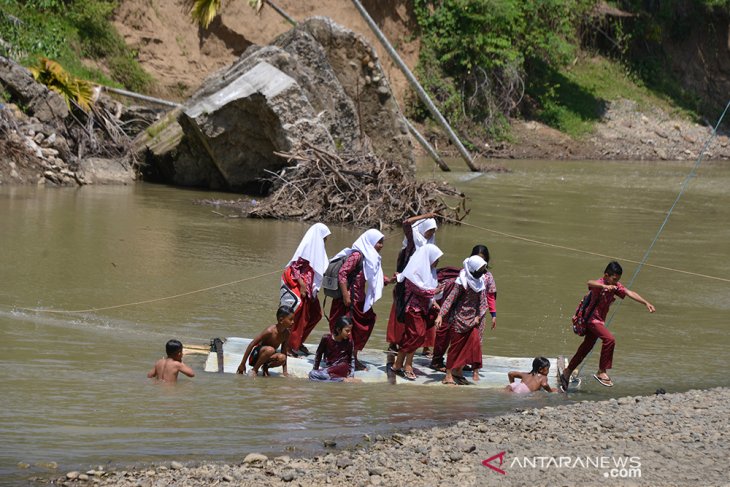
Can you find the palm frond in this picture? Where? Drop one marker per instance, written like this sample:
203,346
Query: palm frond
52,74
257,5
203,11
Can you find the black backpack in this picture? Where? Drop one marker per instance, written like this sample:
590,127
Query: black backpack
330,280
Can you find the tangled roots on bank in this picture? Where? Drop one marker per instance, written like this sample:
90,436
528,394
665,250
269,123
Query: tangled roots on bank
363,190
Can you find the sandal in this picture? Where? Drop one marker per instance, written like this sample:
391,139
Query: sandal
607,382
564,382
462,381
399,372
409,375
448,383
438,367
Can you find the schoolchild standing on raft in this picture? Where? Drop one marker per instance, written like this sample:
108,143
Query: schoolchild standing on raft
419,277
303,278
465,308
443,333
603,293
361,282
418,231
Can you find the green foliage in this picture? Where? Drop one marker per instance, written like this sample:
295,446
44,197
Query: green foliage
638,42
51,74
563,102
479,57
203,11
66,31
476,54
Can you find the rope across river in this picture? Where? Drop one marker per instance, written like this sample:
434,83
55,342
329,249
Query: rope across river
682,189
489,230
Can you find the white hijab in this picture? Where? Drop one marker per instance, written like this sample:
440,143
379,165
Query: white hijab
419,270
365,244
466,277
419,230
311,249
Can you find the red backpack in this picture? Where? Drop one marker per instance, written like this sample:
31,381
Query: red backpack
583,314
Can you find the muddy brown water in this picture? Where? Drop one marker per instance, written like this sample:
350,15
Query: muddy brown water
73,385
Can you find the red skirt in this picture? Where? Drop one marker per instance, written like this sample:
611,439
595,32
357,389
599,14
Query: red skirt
465,349
415,332
305,319
395,327
362,323
430,339
442,340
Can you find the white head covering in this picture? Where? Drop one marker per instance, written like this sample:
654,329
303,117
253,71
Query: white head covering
419,229
311,249
365,244
419,270
466,277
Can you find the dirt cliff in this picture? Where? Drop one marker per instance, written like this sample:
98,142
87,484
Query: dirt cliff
180,55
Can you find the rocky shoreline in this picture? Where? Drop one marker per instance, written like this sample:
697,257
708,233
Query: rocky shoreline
664,439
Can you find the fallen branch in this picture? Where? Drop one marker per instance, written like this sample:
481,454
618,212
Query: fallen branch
361,190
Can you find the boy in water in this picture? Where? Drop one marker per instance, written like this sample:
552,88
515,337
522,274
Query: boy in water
166,369
261,352
603,290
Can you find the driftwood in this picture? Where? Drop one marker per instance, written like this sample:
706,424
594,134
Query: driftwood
362,190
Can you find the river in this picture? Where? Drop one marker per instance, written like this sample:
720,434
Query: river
74,389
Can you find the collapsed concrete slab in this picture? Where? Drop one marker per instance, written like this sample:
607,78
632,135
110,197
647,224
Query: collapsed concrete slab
318,83
241,126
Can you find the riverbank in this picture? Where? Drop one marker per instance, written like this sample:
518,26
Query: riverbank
664,439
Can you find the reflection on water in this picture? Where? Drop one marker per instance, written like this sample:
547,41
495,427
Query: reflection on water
74,386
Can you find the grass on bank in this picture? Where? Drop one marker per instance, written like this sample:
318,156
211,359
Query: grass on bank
573,99
68,31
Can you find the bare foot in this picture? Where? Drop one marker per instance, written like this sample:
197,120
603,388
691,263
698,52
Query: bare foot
360,366
475,375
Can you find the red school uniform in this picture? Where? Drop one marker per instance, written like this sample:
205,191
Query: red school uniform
309,312
597,328
362,322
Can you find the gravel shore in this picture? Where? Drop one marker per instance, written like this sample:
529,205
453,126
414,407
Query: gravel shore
666,439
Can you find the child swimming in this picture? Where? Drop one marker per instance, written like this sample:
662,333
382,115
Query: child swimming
166,369
533,380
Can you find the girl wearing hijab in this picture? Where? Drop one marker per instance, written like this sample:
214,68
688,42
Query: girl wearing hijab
465,309
418,230
420,281
361,281
447,276
303,277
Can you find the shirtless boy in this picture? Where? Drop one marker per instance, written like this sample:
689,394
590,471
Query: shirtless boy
261,352
166,369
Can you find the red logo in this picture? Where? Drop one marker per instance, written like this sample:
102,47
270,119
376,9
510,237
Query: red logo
487,462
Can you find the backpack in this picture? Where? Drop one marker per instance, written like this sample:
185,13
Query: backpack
330,280
581,316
